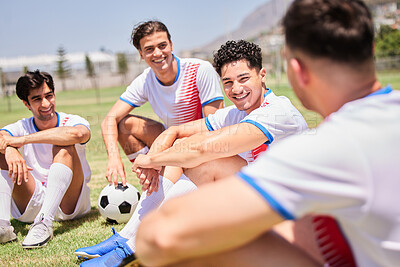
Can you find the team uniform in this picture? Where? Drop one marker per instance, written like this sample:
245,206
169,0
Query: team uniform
348,169
196,85
276,118
40,158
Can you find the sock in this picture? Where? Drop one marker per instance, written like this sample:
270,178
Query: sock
133,156
6,188
58,181
183,186
145,205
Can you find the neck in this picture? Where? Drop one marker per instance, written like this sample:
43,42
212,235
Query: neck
44,125
168,76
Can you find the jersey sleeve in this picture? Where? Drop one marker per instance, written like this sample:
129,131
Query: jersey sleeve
311,174
208,84
135,93
276,121
223,118
15,129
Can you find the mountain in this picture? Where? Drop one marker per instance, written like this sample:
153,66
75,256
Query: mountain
263,19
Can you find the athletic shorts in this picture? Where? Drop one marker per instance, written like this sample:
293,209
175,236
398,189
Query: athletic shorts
36,201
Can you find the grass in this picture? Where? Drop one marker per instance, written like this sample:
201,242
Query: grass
92,229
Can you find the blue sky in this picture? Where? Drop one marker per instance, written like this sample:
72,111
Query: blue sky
41,26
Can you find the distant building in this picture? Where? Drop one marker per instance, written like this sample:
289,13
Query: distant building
105,67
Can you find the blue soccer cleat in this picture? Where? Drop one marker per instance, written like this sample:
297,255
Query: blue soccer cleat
102,248
112,258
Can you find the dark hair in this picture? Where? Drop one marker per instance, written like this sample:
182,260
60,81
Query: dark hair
33,80
233,51
341,30
144,29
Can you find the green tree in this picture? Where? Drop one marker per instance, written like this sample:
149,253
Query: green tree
25,69
387,42
4,89
63,70
122,66
92,75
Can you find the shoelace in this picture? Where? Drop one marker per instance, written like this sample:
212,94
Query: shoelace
121,248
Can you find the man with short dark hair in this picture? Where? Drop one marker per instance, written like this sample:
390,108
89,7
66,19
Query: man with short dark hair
44,172
347,168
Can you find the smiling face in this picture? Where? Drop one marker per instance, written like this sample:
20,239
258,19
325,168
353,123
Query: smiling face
245,87
156,51
41,102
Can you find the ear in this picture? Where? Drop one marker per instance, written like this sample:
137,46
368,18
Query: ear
300,72
172,46
140,53
26,104
263,75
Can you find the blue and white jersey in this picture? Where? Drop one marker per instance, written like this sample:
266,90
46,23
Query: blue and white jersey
348,168
276,118
196,85
40,156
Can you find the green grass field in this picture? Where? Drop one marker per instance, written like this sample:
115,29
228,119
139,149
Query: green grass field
92,229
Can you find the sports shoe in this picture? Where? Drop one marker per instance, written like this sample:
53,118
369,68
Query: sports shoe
130,261
7,234
100,249
112,258
38,236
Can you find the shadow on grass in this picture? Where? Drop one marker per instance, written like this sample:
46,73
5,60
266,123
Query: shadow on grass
65,226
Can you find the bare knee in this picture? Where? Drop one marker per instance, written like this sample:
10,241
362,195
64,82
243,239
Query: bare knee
63,152
3,162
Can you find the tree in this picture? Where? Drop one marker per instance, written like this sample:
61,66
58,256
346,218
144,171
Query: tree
122,66
92,75
387,42
63,70
4,89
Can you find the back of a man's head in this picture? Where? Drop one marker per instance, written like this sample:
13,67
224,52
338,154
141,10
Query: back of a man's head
340,30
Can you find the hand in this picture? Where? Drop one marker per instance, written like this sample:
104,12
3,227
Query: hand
7,140
148,178
115,167
17,168
144,162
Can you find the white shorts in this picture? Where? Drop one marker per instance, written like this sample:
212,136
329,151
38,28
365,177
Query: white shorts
36,201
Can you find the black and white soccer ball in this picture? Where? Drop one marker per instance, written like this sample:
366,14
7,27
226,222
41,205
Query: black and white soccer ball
117,204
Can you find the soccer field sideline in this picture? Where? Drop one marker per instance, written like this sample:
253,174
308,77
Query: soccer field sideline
92,229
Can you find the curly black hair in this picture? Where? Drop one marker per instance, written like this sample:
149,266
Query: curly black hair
236,50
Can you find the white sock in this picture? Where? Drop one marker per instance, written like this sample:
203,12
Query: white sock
183,186
6,188
58,181
145,205
133,156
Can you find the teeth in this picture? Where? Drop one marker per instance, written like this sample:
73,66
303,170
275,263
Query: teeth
241,97
159,60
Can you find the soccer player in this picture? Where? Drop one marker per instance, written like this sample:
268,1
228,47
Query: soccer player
179,90
44,172
210,150
347,168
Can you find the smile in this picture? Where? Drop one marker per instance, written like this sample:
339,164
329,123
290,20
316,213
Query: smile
159,60
242,96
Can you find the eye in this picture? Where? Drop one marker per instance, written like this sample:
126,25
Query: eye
162,46
227,83
149,50
244,79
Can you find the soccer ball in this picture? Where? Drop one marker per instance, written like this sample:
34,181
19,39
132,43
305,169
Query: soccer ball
117,204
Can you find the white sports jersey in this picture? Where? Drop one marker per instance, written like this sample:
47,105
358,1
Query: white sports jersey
196,85
349,169
276,118
40,156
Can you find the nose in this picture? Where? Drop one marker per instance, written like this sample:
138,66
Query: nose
45,102
157,52
237,88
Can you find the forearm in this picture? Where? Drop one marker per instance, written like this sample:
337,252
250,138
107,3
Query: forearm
60,136
181,227
109,130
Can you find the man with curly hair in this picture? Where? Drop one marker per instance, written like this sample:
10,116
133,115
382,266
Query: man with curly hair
220,144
